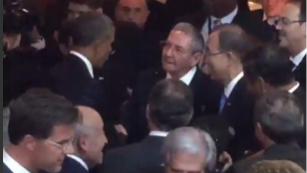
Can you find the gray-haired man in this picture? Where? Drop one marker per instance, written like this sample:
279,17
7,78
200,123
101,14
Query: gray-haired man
188,149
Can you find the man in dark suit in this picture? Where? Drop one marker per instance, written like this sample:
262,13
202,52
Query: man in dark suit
278,120
215,13
170,106
41,131
181,53
91,38
89,142
226,47
292,35
267,69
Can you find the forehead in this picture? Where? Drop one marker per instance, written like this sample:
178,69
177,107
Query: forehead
133,3
187,162
79,7
179,38
62,132
291,11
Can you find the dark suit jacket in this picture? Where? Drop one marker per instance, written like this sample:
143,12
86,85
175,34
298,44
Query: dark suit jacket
290,152
206,100
72,80
300,73
238,112
6,169
136,158
72,166
301,95
244,19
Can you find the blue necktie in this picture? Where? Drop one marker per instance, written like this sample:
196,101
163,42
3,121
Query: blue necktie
222,103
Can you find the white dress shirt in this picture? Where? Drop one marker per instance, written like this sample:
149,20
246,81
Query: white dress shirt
79,160
298,59
12,164
225,20
158,133
232,84
85,60
187,78
295,87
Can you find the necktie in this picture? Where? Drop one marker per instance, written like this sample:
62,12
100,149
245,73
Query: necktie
216,23
222,103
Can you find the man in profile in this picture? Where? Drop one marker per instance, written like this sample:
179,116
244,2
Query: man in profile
278,122
89,143
41,131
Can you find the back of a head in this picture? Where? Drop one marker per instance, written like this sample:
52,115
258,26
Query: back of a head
36,113
278,166
280,116
197,43
192,142
269,62
93,4
233,39
90,28
170,104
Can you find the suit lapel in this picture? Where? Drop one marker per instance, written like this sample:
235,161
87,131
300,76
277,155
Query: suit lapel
233,96
6,169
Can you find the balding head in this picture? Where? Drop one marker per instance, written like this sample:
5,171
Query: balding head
189,149
135,11
90,137
90,117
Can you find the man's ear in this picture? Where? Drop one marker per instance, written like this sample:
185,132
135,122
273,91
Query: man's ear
82,143
196,58
99,10
29,142
304,28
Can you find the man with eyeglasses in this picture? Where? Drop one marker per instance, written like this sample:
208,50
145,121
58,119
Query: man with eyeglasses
89,142
225,47
182,51
292,35
41,131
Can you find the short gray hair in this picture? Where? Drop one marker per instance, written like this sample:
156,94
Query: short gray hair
90,28
81,130
191,141
197,43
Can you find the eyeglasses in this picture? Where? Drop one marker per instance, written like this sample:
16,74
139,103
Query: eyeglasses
208,54
285,21
64,146
177,49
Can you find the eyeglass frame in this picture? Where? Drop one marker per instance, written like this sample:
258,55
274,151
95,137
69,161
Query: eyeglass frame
279,20
61,146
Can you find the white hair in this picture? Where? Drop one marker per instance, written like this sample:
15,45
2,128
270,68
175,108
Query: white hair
192,141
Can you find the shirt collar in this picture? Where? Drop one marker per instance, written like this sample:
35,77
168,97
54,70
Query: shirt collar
227,19
12,164
158,133
232,84
299,58
295,87
79,160
85,60
187,78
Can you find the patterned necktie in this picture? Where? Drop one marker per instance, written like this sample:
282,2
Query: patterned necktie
216,23
222,103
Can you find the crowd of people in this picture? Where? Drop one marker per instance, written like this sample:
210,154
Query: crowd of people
154,86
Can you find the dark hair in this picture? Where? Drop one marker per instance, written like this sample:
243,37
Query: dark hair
269,62
280,116
233,38
36,113
303,10
170,104
93,4
65,31
91,27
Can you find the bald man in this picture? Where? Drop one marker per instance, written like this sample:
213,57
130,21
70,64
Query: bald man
135,11
89,143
